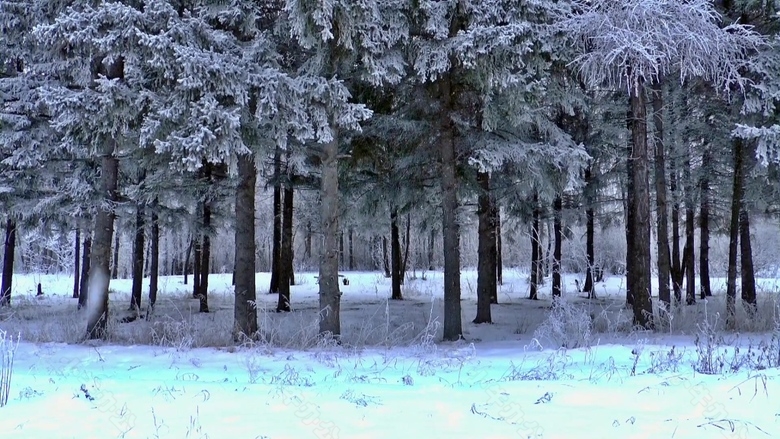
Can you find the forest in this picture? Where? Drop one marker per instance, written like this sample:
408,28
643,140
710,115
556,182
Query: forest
190,138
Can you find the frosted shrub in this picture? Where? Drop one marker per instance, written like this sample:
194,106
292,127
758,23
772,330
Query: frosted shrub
568,326
7,351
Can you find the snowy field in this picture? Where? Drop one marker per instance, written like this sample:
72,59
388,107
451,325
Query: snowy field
176,376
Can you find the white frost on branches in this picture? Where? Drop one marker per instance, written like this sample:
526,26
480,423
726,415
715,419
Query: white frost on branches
624,41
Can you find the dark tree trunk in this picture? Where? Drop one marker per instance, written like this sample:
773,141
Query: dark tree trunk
100,255
244,309
629,214
499,251
283,304
690,225
704,229
395,255
276,251
746,257
85,259
307,242
486,266
196,261
640,209
407,246
676,262
77,265
8,262
536,250
330,296
385,261
205,253
138,259
187,256
154,256
351,238
548,253
590,228
662,225
736,207
557,252
341,249
115,258
431,246
453,325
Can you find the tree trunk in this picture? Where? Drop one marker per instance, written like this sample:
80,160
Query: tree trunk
690,225
330,296
341,249
734,223
283,304
138,259
77,264
640,209
244,308
704,229
557,252
486,266
196,261
590,228
115,258
499,251
395,255
431,246
549,252
154,256
276,252
351,234
407,246
662,225
307,243
536,250
86,256
629,218
676,261
205,253
385,261
186,268
100,255
453,325
746,257
8,262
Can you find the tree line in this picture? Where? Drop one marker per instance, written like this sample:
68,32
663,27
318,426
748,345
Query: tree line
166,112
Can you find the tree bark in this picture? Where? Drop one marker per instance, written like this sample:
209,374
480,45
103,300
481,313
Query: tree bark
330,296
196,261
431,245
704,229
407,247
486,265
536,250
385,261
453,325
557,252
205,251
154,256
187,256
86,256
115,258
395,256
590,228
662,226
689,260
100,255
746,257
276,252
640,209
351,238
676,261
77,264
499,251
283,304
244,308
8,262
138,259
629,218
307,243
736,207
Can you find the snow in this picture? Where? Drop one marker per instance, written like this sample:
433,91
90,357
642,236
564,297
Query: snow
498,385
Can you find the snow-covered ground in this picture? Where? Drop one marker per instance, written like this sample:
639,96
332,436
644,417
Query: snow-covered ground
390,379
